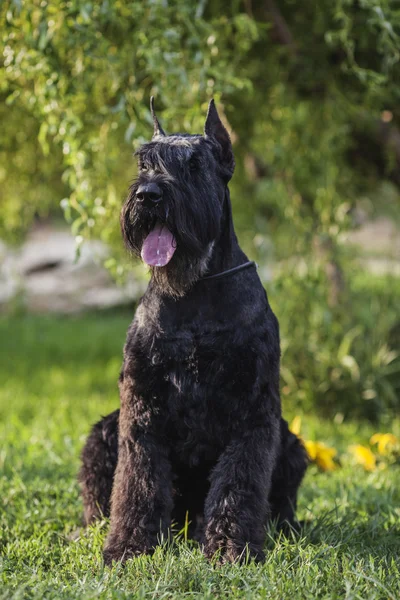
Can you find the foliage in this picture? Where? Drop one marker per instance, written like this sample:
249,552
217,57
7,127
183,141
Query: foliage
311,94
339,359
327,459
54,383
77,78
84,72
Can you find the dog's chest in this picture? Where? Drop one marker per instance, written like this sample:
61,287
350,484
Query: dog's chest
202,384
198,397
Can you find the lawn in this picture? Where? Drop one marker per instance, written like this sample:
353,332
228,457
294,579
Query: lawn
57,376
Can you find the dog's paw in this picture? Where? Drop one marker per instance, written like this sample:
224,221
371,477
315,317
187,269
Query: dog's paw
120,553
116,555
231,552
290,528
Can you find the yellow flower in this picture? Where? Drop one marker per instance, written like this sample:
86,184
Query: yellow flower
387,442
363,456
295,425
322,455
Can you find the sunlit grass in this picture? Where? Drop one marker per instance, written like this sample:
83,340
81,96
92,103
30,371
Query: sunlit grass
57,376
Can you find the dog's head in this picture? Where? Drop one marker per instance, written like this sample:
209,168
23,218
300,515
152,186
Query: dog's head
172,215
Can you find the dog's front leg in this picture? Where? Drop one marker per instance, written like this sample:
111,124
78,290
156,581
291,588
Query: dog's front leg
141,501
236,507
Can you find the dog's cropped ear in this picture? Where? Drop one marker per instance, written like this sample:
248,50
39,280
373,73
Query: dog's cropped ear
158,130
214,129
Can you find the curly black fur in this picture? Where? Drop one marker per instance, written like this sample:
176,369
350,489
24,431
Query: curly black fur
200,426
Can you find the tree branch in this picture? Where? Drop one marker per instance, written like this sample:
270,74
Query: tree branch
281,28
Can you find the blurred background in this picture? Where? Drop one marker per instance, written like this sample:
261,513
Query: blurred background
310,92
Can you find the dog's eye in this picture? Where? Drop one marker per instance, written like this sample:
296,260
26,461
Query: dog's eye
192,164
143,167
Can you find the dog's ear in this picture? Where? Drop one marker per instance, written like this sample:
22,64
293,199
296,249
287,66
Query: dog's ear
158,130
214,129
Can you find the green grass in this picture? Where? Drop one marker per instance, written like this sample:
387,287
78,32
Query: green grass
57,376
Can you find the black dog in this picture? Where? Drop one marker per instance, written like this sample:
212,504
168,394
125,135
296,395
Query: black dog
200,427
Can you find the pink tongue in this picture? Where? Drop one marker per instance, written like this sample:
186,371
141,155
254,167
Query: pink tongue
159,246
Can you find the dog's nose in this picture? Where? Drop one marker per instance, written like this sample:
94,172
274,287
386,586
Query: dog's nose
149,192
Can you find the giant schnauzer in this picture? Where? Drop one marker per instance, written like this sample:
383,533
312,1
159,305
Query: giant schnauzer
199,428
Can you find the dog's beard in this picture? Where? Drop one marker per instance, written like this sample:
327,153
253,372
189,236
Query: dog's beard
187,240
181,273
188,263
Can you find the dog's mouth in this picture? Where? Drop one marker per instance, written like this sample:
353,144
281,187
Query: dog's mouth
159,246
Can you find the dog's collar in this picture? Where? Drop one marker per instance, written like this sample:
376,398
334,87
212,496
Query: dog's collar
245,265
